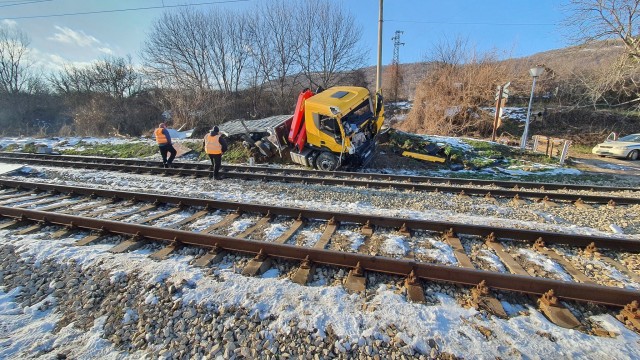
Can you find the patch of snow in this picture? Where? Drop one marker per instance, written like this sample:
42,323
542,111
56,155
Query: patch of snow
395,245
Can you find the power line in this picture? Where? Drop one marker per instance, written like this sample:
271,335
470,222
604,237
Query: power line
121,10
472,23
17,3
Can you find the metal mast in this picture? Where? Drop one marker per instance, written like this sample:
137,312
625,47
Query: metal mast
396,46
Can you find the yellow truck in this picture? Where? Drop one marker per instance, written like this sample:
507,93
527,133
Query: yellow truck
334,128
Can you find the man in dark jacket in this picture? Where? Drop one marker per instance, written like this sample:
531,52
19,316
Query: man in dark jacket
164,144
215,146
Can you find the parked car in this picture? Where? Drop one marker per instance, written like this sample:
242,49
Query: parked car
624,147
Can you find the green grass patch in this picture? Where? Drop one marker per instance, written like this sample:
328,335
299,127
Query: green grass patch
580,149
128,150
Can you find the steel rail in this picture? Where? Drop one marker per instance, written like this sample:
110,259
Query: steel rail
202,171
374,220
344,174
499,281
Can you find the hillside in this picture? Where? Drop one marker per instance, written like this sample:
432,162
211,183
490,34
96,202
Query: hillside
563,62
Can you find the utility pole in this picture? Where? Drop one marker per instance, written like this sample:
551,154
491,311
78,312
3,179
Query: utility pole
379,70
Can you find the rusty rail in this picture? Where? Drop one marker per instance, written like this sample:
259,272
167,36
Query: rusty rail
522,284
374,220
537,191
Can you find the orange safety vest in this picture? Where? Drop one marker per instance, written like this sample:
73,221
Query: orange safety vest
212,144
160,138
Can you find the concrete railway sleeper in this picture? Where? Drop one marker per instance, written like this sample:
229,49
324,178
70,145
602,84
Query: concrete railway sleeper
517,192
547,292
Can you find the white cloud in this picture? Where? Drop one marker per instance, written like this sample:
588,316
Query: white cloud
69,36
105,50
9,23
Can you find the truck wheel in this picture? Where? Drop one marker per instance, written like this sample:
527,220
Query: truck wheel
326,161
634,155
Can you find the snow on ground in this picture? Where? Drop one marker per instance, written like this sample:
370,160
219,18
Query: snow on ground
454,329
64,143
526,334
233,191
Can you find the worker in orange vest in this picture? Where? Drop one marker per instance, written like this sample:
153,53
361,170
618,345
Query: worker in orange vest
164,143
215,146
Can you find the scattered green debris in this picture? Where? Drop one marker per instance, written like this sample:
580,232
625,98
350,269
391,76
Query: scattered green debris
236,153
29,148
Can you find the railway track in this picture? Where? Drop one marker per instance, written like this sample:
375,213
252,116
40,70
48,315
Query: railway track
549,193
33,206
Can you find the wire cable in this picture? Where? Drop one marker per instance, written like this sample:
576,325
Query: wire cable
121,10
470,23
15,3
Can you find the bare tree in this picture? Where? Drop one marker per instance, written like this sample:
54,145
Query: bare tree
176,50
72,79
329,45
605,19
16,71
615,83
115,76
446,52
274,42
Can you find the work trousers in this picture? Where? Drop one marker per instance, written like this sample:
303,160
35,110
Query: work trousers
167,148
216,164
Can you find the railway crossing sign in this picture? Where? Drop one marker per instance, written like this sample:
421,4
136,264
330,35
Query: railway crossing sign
505,91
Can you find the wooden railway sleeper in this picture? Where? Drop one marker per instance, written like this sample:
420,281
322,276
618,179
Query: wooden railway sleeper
305,272
33,228
630,316
129,245
481,298
297,224
65,231
490,198
504,256
548,203
164,253
580,204
458,250
216,254
592,250
258,265
356,281
540,247
261,223
415,291
517,200
404,230
556,312
367,229
92,237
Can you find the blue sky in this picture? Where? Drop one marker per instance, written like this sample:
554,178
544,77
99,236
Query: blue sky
515,27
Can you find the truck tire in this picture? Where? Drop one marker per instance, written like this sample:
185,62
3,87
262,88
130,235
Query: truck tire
326,161
264,148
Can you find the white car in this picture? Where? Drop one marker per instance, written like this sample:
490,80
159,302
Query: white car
625,147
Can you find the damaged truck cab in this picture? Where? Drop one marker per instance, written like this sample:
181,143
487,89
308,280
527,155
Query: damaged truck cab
340,125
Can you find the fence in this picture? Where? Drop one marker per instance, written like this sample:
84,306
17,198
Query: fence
552,147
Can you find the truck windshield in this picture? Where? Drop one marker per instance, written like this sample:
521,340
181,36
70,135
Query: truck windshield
359,115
